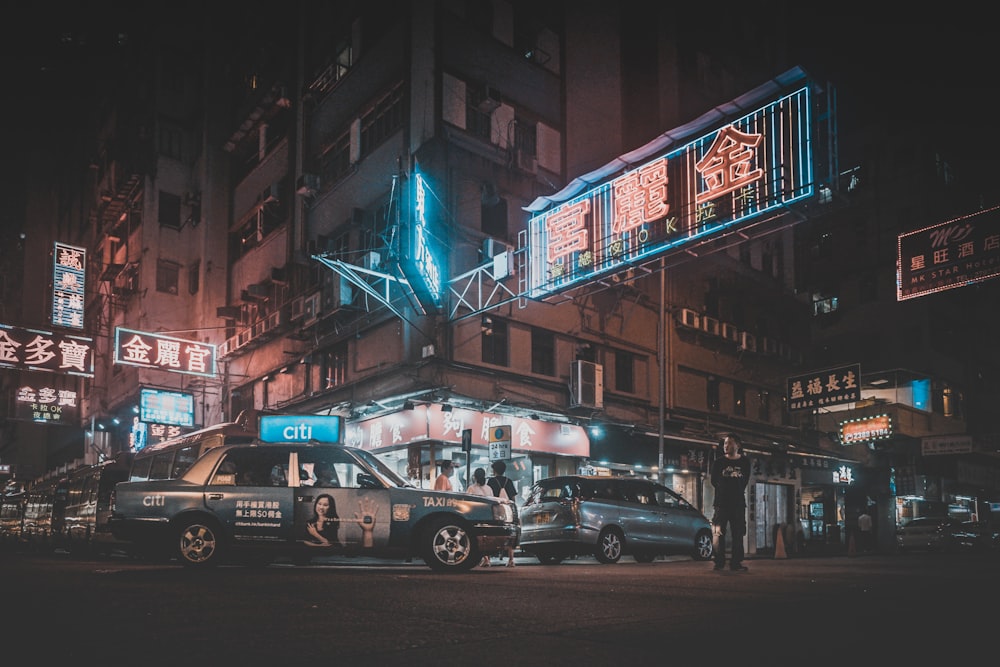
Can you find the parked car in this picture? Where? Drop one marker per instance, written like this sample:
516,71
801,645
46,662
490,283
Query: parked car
975,535
929,533
608,517
264,501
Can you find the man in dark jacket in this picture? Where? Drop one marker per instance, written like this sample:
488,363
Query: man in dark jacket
730,474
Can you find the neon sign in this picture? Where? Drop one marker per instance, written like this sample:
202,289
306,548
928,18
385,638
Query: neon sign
153,350
36,350
166,407
421,266
739,171
68,283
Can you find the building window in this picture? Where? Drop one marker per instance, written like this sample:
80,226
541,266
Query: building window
169,210
194,277
167,276
493,213
712,394
624,371
384,119
543,352
739,399
764,406
335,162
494,341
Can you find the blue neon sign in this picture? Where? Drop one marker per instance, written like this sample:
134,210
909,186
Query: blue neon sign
421,266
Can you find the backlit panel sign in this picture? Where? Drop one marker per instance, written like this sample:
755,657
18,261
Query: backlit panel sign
37,350
422,252
68,284
819,389
948,255
47,404
868,429
737,172
153,350
430,422
301,428
166,407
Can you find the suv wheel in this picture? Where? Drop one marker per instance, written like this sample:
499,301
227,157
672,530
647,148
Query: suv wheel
199,543
609,546
448,547
703,546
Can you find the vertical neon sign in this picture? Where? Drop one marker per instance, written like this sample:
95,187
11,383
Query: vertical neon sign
422,267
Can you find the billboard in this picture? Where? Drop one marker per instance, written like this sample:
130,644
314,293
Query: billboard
675,198
948,255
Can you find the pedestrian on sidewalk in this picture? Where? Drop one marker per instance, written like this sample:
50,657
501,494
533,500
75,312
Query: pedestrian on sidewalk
730,474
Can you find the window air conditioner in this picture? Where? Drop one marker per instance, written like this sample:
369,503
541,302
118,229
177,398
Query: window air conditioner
586,385
747,342
710,325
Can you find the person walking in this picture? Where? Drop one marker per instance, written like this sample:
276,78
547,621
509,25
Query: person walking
479,488
503,488
730,474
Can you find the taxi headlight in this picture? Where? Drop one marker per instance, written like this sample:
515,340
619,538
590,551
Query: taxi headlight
503,512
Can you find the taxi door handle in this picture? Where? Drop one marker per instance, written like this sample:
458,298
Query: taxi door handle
216,496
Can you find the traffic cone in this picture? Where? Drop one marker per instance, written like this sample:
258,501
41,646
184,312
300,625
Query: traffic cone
779,545
851,547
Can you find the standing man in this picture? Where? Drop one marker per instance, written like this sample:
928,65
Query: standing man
730,474
865,527
443,481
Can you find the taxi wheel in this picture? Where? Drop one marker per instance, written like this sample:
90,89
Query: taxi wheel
199,543
448,547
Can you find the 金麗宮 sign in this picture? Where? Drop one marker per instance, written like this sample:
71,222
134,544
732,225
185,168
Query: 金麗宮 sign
153,350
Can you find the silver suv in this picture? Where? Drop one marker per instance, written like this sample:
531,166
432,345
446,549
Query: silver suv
607,517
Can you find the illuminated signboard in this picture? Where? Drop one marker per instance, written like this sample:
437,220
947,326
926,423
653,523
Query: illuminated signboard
754,165
421,263
166,407
833,386
948,255
68,283
47,404
867,429
36,350
153,350
301,428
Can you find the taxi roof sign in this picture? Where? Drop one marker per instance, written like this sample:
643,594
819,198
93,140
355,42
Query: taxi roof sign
301,428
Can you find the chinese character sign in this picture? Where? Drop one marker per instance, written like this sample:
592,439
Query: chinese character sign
68,283
948,255
742,170
423,249
47,404
153,350
834,386
36,350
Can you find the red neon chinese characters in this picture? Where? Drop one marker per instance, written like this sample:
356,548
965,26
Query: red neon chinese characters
726,165
641,196
567,230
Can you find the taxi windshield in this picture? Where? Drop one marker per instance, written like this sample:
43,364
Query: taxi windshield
387,474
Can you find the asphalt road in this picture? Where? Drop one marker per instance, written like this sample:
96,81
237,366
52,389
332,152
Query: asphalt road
926,608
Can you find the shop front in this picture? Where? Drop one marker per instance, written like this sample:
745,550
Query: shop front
415,441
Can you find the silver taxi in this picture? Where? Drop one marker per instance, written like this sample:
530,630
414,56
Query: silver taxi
302,500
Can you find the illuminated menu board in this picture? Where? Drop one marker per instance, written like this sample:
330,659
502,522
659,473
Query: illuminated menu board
68,283
740,171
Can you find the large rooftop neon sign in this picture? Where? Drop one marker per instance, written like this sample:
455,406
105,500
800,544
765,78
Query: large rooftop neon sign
736,172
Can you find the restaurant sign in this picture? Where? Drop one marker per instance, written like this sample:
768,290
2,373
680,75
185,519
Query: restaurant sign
37,350
154,350
820,389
